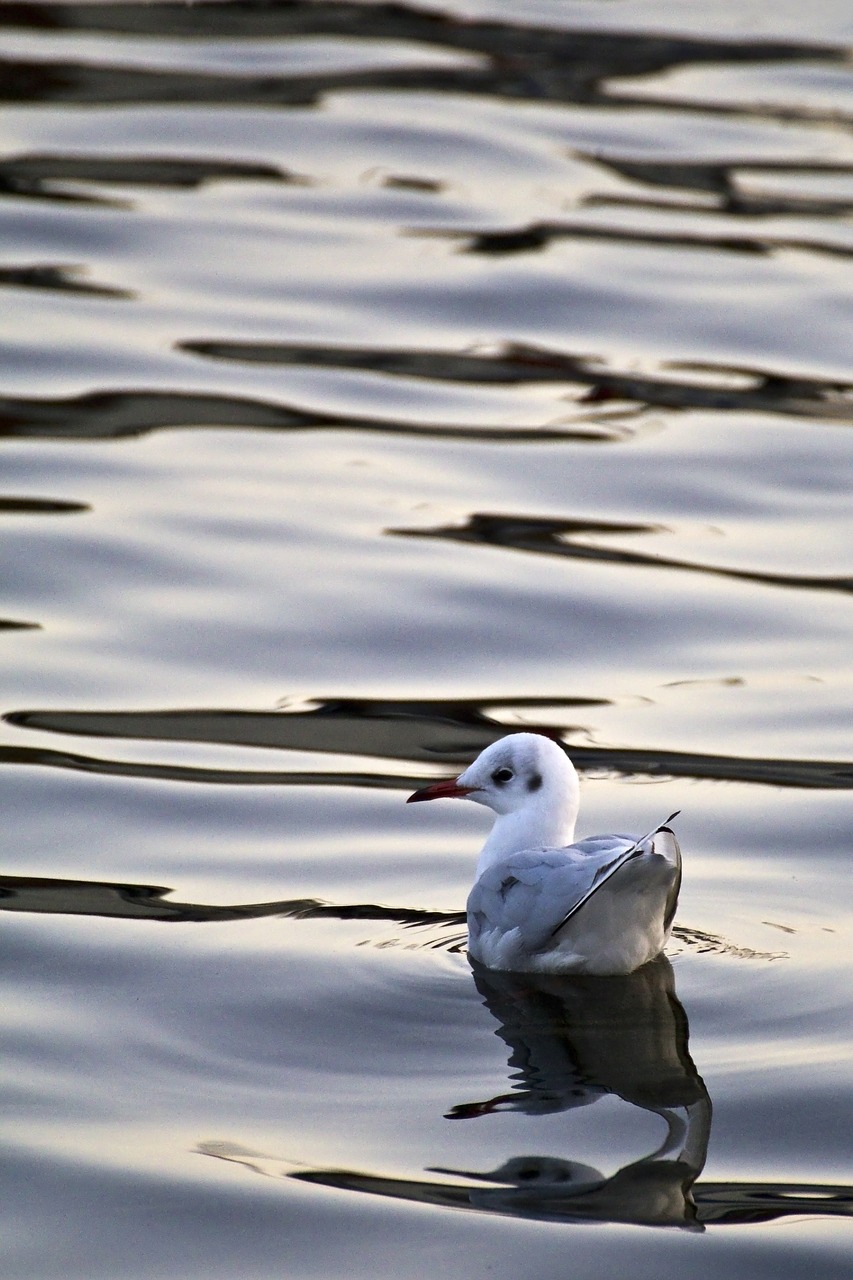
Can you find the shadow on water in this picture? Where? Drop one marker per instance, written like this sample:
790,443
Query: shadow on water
450,733
572,1041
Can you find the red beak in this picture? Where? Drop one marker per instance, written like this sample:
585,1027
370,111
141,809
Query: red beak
441,790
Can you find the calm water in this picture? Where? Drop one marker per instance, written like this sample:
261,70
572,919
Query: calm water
375,380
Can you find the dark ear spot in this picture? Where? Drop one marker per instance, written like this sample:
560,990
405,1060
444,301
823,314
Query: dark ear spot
534,782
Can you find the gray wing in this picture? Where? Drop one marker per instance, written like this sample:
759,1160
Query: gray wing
537,890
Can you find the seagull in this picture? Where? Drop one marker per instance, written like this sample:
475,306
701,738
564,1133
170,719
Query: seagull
541,904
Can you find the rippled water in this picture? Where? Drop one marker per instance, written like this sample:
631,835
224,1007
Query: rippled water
375,380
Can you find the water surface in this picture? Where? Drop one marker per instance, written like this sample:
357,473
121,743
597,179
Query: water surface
374,381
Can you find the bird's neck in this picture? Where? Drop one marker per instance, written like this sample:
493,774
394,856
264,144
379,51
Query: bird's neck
544,826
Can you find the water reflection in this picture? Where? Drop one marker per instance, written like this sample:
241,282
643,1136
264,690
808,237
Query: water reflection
538,235
130,412
118,415
61,177
567,537
447,732
508,60
31,506
439,929
719,387
722,181
535,236
149,902
62,279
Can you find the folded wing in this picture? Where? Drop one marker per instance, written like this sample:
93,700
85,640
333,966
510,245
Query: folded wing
538,891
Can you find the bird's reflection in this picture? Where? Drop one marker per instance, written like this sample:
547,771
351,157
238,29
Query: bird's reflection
572,1040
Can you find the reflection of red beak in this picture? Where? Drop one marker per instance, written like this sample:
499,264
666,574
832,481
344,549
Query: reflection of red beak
441,790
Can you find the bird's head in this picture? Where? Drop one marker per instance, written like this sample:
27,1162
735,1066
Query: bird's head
524,773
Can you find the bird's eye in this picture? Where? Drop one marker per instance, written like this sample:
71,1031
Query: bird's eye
500,776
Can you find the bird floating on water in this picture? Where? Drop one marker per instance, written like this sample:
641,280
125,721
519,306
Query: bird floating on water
542,904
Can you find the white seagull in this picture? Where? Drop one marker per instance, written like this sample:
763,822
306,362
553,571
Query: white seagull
541,904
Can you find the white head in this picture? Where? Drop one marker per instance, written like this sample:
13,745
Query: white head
532,786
